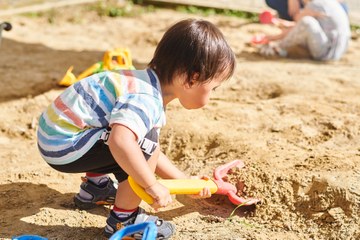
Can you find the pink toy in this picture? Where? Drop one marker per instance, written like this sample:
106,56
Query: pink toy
259,39
266,17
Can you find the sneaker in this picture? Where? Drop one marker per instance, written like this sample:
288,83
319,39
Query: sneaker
165,229
102,195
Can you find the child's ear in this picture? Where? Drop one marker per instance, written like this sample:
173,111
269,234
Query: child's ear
195,76
194,79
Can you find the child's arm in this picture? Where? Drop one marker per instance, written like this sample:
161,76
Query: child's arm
125,149
127,153
293,8
308,12
280,36
166,169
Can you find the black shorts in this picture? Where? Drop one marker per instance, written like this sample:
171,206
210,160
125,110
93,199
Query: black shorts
100,160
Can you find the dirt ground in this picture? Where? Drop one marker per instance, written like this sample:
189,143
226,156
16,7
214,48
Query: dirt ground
294,123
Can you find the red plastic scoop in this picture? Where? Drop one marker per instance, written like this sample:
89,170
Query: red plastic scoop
225,188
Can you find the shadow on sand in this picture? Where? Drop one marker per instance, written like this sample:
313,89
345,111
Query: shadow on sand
21,200
32,69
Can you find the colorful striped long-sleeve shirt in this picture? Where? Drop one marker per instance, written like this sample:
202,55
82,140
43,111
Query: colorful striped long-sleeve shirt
73,123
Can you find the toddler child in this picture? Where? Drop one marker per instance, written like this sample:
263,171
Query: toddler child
322,28
110,122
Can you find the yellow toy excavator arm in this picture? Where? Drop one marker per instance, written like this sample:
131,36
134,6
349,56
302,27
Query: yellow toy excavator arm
97,67
68,79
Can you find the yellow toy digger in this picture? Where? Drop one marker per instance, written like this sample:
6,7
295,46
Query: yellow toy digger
118,58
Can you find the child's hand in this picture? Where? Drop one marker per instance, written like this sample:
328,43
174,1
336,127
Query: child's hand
160,194
205,192
285,24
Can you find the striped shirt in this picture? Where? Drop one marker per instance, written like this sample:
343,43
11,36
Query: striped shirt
73,123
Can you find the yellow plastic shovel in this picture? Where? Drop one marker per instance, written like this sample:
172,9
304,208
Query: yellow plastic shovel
194,186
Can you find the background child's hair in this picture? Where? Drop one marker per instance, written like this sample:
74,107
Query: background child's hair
193,46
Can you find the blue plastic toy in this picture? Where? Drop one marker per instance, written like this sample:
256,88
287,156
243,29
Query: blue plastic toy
149,230
29,237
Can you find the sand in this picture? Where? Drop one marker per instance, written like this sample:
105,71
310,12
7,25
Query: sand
294,123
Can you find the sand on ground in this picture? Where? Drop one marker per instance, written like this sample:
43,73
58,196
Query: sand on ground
294,123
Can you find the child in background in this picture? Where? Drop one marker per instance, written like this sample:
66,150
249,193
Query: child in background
289,9
110,122
322,28
286,9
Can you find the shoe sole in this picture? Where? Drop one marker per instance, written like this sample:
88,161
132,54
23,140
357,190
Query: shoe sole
89,205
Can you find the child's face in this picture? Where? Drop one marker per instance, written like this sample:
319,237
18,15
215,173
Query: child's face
198,95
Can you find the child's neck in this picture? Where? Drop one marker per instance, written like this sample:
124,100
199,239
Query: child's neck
167,94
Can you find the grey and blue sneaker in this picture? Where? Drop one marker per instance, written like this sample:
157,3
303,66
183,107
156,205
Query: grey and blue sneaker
165,229
101,195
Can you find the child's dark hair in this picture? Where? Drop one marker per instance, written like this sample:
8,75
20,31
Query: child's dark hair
193,46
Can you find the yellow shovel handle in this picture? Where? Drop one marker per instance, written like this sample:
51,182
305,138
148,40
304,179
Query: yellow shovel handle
175,186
